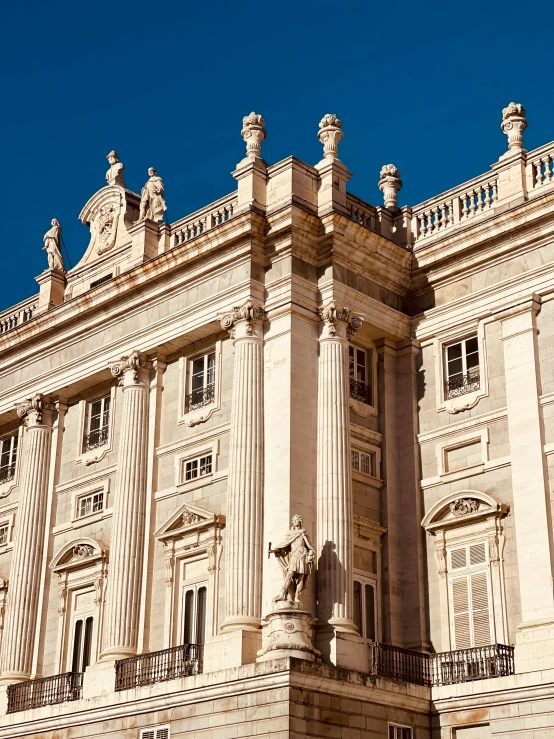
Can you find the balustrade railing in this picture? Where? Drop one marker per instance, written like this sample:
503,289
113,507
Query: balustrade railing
201,396
361,212
444,668
96,438
155,667
7,473
360,391
463,384
45,692
17,315
203,220
540,167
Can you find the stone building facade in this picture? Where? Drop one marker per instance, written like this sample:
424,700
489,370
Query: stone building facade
168,405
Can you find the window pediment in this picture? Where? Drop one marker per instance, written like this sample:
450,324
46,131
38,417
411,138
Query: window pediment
461,508
189,520
82,552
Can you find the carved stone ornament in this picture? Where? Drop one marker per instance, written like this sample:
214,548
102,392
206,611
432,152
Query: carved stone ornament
390,184
247,312
253,132
105,226
464,506
134,362
114,175
330,134
514,124
332,314
32,409
82,551
188,517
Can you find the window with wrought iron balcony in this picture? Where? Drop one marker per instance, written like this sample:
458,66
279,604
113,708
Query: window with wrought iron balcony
98,423
8,457
462,368
360,375
202,382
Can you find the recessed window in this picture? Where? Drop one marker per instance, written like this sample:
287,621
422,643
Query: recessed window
91,503
365,608
360,375
98,423
194,612
470,596
8,457
462,367
82,642
160,732
4,533
201,382
197,467
364,462
396,731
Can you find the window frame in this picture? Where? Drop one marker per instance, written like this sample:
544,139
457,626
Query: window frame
7,486
194,587
79,491
11,464
190,454
91,494
154,732
206,458
394,725
200,414
465,372
361,407
7,519
89,456
84,618
366,581
102,400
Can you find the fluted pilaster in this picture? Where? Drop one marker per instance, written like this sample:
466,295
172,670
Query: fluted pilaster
334,482
127,540
243,541
23,594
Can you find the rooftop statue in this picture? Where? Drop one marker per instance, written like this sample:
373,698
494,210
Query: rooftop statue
152,203
114,175
51,246
296,556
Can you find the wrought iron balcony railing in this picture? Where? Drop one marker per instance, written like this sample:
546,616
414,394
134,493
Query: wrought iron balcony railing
201,396
45,692
463,384
7,473
444,668
360,391
156,667
97,438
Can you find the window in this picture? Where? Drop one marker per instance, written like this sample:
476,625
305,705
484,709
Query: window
8,457
202,381
98,423
194,613
462,367
396,731
365,608
198,467
91,503
4,533
470,608
360,375
364,462
160,732
82,641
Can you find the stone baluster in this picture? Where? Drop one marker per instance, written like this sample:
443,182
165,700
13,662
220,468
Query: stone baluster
25,573
243,541
334,481
127,540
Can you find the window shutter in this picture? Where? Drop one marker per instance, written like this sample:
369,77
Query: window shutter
480,609
147,734
461,615
477,554
162,734
458,558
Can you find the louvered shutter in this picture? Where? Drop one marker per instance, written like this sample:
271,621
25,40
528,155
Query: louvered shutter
147,734
162,734
480,609
470,594
461,612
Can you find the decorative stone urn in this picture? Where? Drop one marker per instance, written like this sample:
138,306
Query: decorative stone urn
514,124
287,632
330,134
389,184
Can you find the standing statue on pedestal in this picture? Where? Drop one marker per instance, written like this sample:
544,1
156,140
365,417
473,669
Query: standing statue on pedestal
152,204
51,246
114,175
296,556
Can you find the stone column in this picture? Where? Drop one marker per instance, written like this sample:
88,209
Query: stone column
127,540
243,539
25,573
334,477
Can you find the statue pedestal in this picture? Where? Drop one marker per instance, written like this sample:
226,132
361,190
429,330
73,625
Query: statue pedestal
52,289
287,632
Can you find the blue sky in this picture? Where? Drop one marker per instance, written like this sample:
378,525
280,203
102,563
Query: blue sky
167,84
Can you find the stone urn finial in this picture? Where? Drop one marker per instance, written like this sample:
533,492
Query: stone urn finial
514,124
253,132
389,184
330,133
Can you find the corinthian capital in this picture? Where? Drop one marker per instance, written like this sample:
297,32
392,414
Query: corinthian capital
129,367
32,409
244,316
337,318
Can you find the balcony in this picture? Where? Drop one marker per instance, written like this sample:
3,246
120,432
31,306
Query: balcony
360,391
444,668
156,667
463,384
201,396
45,692
97,438
7,473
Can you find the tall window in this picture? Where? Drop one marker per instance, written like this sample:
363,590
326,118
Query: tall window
194,613
462,367
470,601
82,643
98,423
4,533
202,381
360,374
8,457
365,608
